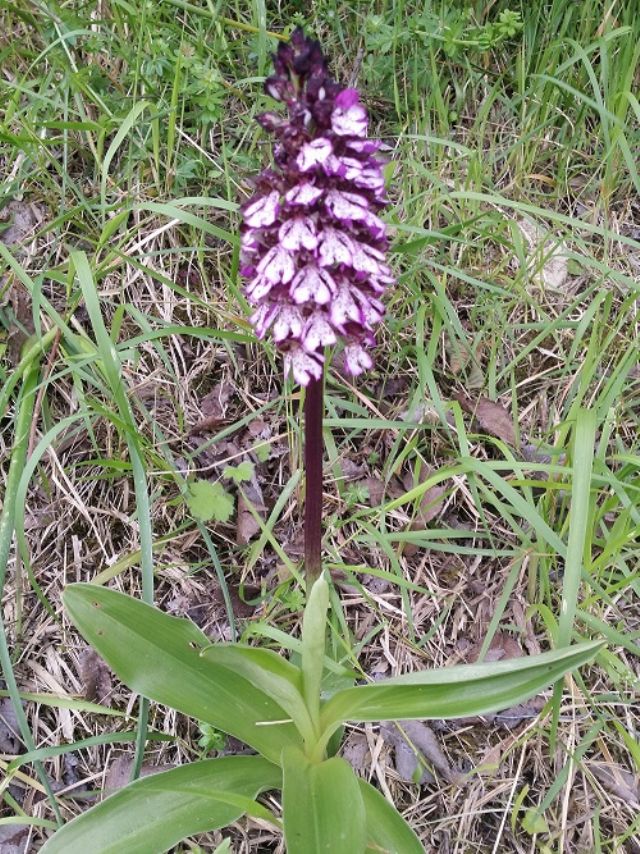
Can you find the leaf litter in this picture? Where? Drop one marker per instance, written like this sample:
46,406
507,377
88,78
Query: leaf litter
492,417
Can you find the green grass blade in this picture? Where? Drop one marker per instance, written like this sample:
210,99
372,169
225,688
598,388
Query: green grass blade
580,531
7,526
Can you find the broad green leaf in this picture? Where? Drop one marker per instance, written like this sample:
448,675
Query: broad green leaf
454,692
314,631
387,831
322,806
208,501
161,658
155,813
269,672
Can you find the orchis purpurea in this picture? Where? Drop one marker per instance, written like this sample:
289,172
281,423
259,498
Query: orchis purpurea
313,245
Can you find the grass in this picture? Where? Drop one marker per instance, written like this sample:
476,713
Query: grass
127,142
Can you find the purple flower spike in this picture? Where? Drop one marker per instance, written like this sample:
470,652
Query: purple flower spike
313,246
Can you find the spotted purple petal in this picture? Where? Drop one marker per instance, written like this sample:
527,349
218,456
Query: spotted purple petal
298,233
312,285
277,265
263,211
314,154
344,309
303,366
263,317
356,359
318,332
349,117
304,194
336,247
288,324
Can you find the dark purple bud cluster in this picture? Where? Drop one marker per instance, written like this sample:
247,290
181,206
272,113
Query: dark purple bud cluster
313,246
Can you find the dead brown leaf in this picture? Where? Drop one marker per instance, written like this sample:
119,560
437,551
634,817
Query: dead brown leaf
491,416
375,490
506,719
9,729
213,407
503,645
521,619
618,781
490,762
415,744
23,218
458,354
351,470
356,751
430,506
475,374
119,772
95,676
515,715
393,386
259,429
432,500
14,839
495,419
247,526
548,257
214,403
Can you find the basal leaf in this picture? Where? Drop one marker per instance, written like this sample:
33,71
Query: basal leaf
314,630
387,831
453,692
161,658
269,672
322,806
155,813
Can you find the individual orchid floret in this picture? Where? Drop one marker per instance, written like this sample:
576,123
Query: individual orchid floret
313,246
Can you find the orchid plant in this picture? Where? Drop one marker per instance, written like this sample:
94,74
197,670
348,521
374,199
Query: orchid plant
313,246
313,254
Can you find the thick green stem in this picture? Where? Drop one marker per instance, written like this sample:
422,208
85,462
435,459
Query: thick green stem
313,453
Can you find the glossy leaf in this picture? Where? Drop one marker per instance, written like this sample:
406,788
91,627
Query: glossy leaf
161,658
322,806
387,831
269,672
314,631
156,812
453,692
